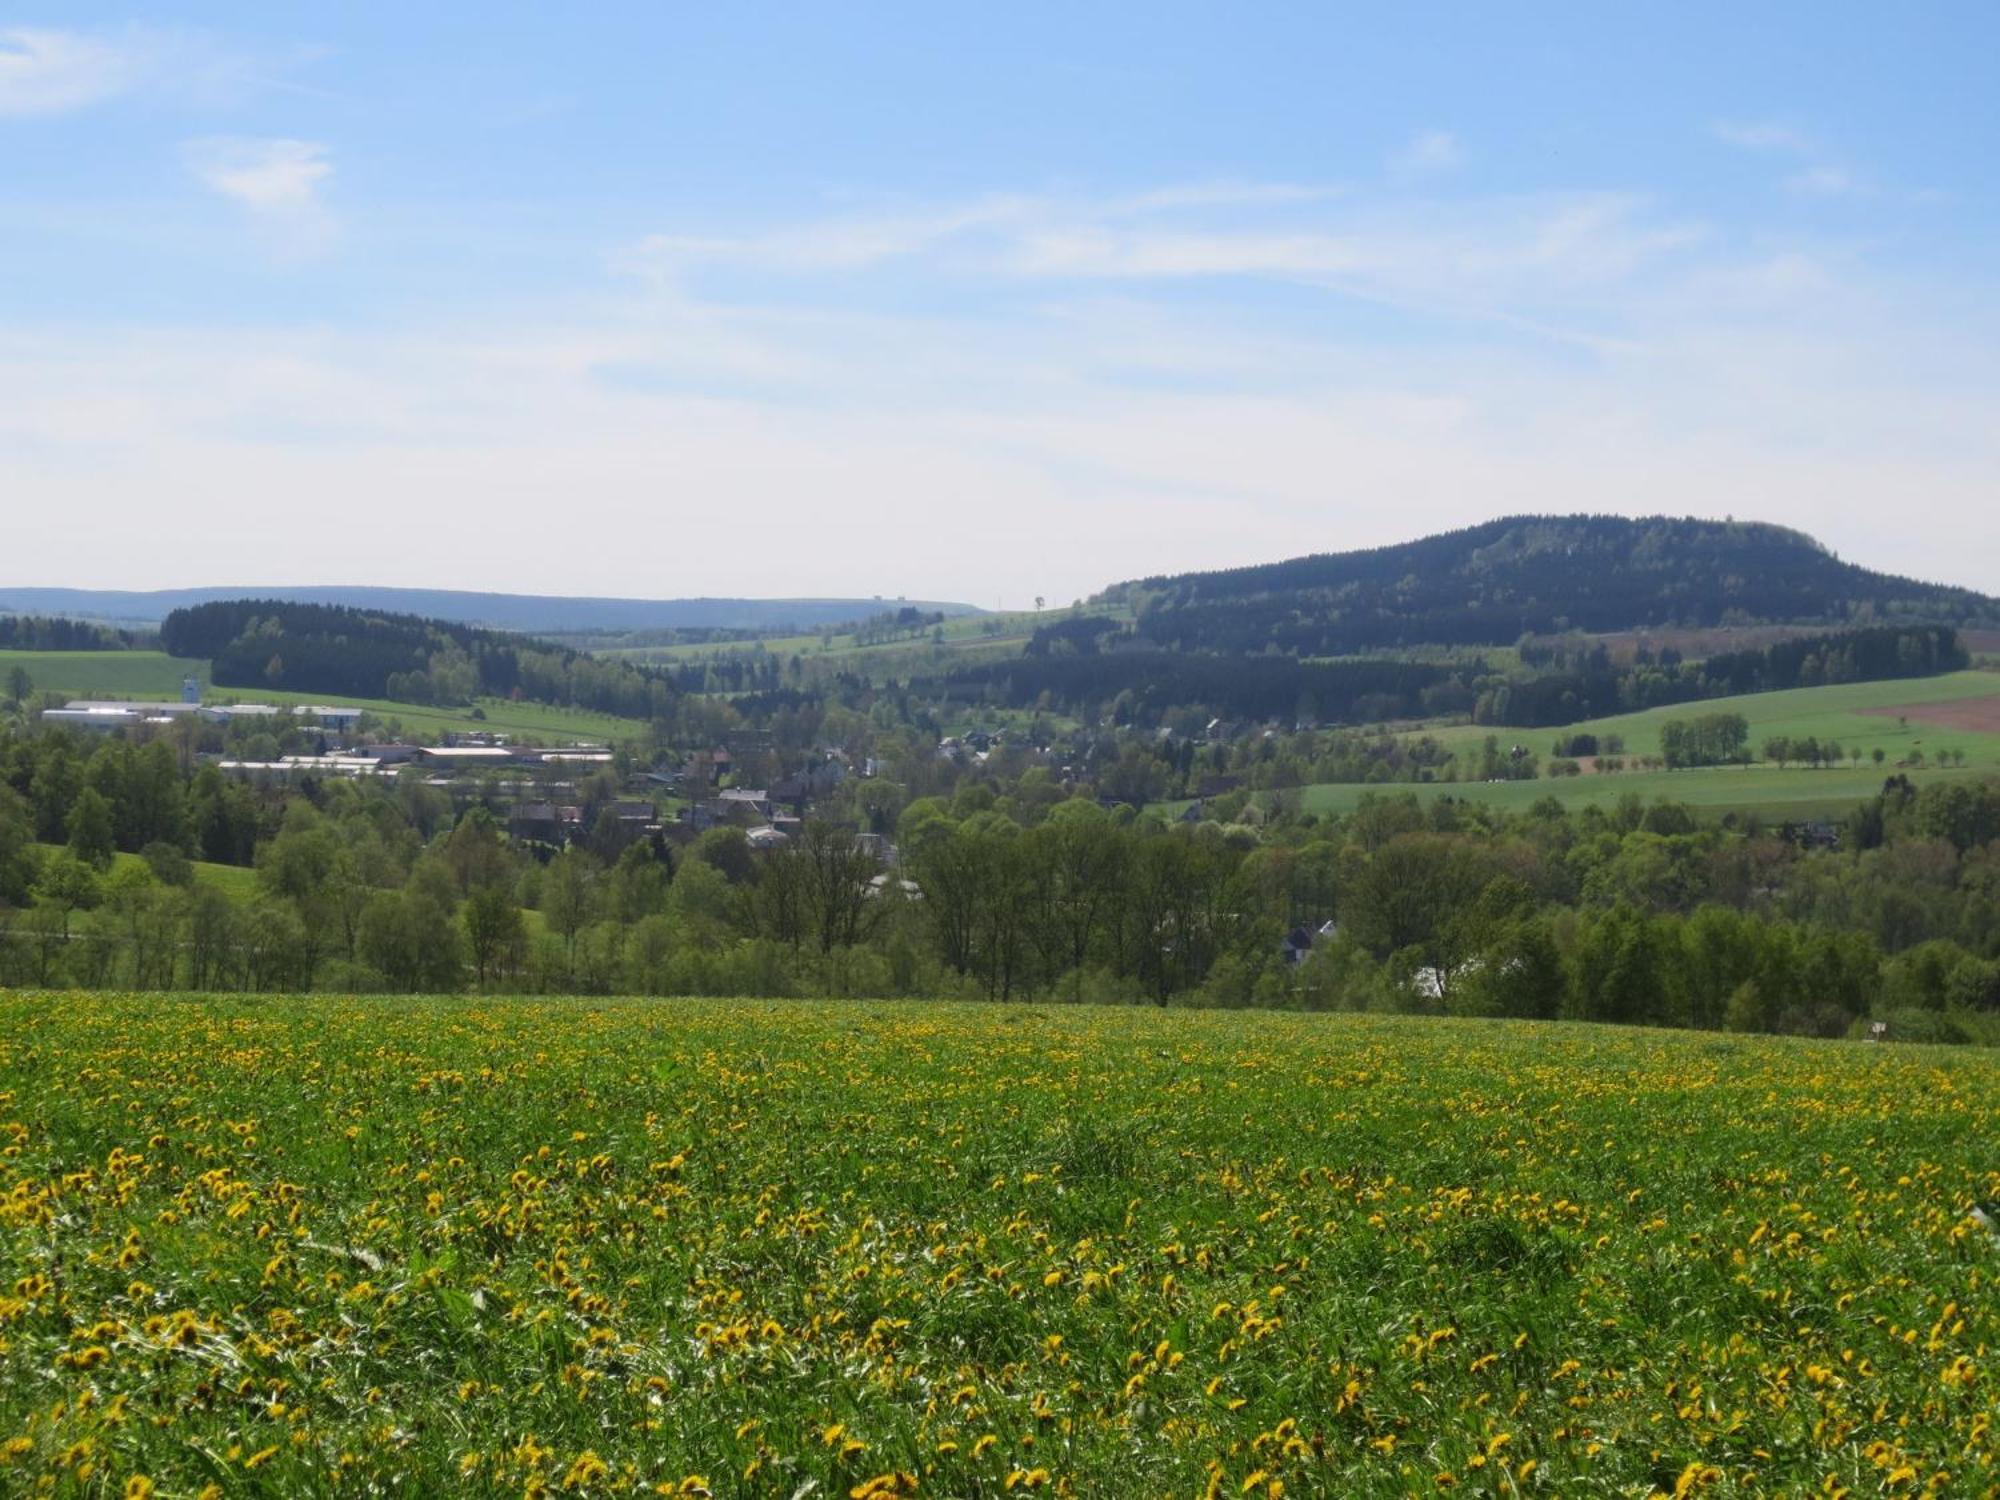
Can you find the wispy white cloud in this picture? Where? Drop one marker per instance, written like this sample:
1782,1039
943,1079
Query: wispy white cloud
1195,195
1429,151
1253,447
276,180
1818,174
45,72
53,71
1764,135
1047,389
831,245
1823,182
1533,261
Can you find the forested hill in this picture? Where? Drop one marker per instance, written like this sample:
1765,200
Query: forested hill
323,648
1490,584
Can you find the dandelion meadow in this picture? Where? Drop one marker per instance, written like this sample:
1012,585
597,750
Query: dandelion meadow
298,1247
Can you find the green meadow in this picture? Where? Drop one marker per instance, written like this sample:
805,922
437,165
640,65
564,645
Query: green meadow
237,881
273,1247
1822,712
534,720
1793,793
105,674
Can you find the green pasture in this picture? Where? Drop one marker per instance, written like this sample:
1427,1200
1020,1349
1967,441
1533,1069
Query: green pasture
535,720
105,674
1794,792
258,1246
1821,712
238,881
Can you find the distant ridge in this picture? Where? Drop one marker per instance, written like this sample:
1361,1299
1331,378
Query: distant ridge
542,614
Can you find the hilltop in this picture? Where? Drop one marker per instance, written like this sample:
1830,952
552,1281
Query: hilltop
1493,583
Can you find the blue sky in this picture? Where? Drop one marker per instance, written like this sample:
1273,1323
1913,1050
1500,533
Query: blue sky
979,302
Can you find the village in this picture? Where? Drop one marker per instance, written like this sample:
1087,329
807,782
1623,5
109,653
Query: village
547,797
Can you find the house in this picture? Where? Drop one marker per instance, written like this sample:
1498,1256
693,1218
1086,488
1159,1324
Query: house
718,813
466,757
707,767
145,710
111,713
231,713
764,840
1298,944
91,718
618,825
535,822
808,785
334,716
878,848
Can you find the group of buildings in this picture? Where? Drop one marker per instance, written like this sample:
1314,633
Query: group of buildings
119,713
538,792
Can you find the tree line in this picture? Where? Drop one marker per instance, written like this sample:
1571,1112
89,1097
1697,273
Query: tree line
1068,669
1011,888
1876,654
60,633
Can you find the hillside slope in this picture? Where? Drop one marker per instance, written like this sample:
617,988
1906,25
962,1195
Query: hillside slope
1489,584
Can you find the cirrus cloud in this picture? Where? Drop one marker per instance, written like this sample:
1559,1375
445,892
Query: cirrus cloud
275,179
47,72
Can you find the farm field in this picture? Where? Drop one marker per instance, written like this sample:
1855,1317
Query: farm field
287,1246
958,631
1793,792
1856,713
1853,714
106,674
538,720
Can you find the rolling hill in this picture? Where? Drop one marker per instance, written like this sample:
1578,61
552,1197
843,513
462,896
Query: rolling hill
1490,584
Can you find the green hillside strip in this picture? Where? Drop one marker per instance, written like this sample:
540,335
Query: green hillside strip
965,632
1838,713
1792,793
105,674
238,881
501,715
1834,712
